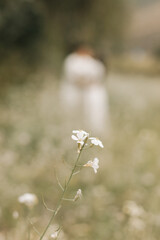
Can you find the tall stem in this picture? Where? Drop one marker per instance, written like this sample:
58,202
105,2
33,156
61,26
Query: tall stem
64,191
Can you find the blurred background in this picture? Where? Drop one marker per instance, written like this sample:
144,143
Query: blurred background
35,37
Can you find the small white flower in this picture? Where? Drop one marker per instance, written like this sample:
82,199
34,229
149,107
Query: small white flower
132,209
94,164
28,199
54,235
78,195
96,141
80,137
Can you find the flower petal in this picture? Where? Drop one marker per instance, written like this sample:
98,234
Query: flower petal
96,160
101,144
74,137
75,131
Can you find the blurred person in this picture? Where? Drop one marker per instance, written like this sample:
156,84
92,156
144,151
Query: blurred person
83,93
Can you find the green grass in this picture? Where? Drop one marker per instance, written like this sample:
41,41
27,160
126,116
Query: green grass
35,142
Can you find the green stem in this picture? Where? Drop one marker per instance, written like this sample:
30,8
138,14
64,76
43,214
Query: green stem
29,231
61,198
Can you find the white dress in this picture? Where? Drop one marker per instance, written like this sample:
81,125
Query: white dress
83,92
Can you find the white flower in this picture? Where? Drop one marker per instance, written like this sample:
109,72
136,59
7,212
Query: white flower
94,164
132,209
78,195
54,235
80,136
96,141
28,199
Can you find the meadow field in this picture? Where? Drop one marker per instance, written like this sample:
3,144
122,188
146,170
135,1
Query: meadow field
120,202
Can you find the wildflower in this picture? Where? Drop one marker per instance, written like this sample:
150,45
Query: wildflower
80,137
136,224
132,209
28,199
54,235
94,164
78,195
96,142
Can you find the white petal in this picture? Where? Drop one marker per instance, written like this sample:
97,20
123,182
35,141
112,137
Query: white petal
101,144
75,131
96,142
84,132
74,137
80,134
96,160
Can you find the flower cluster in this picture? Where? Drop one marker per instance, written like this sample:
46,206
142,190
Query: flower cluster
28,199
81,138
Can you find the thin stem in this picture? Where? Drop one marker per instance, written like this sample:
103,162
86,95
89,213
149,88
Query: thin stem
69,199
28,226
51,210
91,145
60,185
29,232
76,172
59,231
34,228
64,191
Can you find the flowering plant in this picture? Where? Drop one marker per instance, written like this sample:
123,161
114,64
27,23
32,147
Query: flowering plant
82,139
